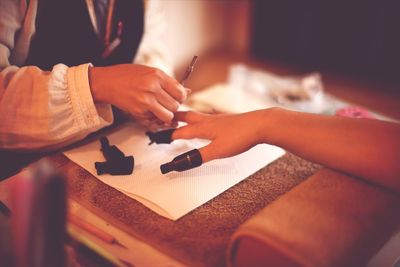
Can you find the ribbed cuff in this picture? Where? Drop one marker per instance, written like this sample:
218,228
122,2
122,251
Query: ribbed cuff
88,115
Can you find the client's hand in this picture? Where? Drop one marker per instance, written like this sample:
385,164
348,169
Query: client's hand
361,147
144,92
229,134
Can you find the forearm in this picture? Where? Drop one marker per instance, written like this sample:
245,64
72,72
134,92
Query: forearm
362,147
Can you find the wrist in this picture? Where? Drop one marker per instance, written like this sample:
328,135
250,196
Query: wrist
97,85
268,125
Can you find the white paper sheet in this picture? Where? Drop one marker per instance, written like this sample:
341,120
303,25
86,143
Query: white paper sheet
177,193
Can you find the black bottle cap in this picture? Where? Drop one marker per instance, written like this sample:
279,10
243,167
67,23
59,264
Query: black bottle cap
110,152
161,137
120,166
166,168
183,162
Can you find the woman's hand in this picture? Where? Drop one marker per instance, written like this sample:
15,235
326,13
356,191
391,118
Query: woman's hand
229,134
145,92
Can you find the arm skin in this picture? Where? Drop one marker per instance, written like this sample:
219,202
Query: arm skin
361,147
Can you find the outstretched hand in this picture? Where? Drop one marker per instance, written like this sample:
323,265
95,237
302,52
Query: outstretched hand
229,134
361,147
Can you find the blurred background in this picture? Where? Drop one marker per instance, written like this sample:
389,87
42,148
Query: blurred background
204,26
357,38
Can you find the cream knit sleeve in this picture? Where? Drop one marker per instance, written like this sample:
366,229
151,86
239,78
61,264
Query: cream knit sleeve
46,110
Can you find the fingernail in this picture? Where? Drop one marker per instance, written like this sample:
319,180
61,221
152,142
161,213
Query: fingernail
188,91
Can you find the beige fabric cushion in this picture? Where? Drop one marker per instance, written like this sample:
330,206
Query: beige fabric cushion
329,220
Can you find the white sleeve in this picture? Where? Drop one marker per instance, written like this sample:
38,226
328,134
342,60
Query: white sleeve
43,109
152,50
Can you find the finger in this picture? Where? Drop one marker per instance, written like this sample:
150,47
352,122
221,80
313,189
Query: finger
190,132
144,116
218,149
174,88
167,101
163,125
189,116
210,152
161,112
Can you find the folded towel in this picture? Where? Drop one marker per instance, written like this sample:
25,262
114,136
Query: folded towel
329,220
